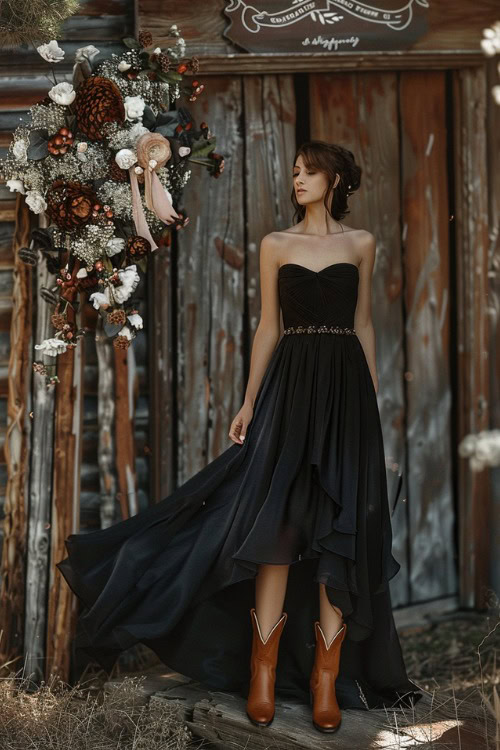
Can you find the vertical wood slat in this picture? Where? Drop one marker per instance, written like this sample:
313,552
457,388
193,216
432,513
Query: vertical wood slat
427,294
211,289
359,111
474,490
65,505
106,421
493,146
124,431
270,117
12,593
39,517
161,372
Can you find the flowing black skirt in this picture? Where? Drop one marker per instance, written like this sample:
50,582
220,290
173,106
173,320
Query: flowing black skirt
307,488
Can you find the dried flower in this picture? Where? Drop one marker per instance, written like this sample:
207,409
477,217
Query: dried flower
86,53
36,201
52,347
123,66
51,52
135,320
134,107
114,246
125,158
63,93
20,150
16,186
121,342
129,279
100,299
58,320
145,38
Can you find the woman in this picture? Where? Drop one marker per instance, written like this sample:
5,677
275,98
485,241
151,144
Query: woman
299,498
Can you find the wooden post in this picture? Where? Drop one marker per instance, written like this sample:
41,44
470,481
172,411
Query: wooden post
65,505
106,419
16,451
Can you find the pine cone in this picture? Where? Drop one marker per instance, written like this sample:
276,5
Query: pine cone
145,38
117,317
98,100
69,204
138,247
117,173
164,61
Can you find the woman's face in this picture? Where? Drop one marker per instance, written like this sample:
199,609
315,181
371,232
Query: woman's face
310,185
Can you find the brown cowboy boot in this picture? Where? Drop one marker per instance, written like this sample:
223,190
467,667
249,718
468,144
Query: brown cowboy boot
326,712
260,702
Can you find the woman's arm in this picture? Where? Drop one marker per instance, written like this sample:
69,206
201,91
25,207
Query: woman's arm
268,331
363,315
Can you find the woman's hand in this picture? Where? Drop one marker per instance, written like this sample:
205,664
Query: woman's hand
240,423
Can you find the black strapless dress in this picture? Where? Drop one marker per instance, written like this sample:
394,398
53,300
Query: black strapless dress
308,487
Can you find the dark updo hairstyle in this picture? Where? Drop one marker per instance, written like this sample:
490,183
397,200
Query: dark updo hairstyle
331,159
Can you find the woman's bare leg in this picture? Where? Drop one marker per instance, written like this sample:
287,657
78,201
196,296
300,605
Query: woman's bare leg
270,589
330,617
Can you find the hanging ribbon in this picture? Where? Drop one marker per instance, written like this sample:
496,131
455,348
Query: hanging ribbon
141,225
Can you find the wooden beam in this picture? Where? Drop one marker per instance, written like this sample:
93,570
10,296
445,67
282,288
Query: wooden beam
12,592
474,490
106,421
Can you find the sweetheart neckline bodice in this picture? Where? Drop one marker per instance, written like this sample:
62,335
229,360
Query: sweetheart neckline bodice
311,270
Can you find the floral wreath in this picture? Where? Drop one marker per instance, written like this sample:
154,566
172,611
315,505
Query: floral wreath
105,158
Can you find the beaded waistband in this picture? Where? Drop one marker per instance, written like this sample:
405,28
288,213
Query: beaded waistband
318,329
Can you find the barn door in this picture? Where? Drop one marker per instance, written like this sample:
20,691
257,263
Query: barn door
395,123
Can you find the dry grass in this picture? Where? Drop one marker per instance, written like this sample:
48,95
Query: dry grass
55,716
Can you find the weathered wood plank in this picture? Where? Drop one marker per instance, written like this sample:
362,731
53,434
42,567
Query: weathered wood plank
427,293
106,418
161,373
474,488
360,112
210,283
270,114
493,144
65,504
12,593
40,493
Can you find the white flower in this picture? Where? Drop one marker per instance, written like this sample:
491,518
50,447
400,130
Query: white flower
138,170
99,299
114,246
129,278
51,52
123,66
157,51
35,201
152,163
20,150
52,347
16,186
125,158
86,53
134,107
82,273
125,331
184,151
136,131
135,320
63,93
82,147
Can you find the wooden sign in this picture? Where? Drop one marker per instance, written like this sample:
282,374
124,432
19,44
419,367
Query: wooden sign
325,25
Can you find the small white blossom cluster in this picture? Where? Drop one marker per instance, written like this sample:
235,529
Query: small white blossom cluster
50,116
119,196
482,449
92,243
